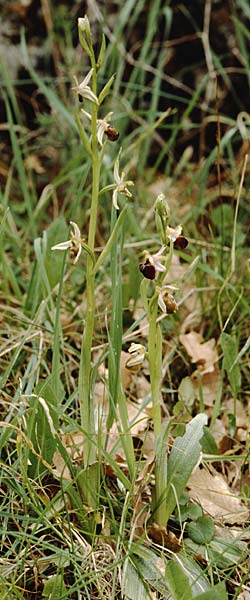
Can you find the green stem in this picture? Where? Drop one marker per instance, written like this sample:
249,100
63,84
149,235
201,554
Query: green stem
155,369
85,384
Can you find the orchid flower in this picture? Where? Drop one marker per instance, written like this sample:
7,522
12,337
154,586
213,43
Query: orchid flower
137,352
166,301
152,264
173,234
121,185
84,90
74,243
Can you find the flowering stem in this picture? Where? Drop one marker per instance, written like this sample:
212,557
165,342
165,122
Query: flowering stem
85,385
155,369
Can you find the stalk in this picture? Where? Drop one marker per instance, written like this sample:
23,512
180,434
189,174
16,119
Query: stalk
85,386
155,370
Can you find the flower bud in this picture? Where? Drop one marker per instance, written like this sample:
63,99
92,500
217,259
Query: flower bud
83,25
162,208
162,215
85,35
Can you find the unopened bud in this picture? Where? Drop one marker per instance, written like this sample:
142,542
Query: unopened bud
85,35
162,208
83,25
162,215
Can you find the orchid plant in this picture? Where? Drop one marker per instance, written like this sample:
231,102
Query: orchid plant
94,132
155,268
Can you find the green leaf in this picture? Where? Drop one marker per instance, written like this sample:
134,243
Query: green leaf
189,511
202,531
133,587
42,423
222,553
226,552
230,364
177,581
186,391
208,442
54,587
110,243
47,267
149,566
183,458
217,593
197,578
161,471
88,481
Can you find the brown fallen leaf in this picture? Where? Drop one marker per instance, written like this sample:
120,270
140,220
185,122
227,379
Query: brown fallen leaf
242,413
215,497
168,539
210,383
204,354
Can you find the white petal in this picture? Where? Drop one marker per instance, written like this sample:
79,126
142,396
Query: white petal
172,233
100,132
116,172
159,266
62,246
161,303
136,348
126,191
76,230
86,79
115,198
78,255
87,93
135,360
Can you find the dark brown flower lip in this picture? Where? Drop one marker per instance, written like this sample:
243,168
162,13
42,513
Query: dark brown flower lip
170,303
112,134
147,269
180,243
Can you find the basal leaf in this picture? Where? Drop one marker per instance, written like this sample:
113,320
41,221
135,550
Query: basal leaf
183,458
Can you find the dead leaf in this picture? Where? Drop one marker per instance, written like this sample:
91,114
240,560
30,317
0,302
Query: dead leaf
215,497
219,431
242,417
60,469
168,539
34,163
245,595
210,383
204,354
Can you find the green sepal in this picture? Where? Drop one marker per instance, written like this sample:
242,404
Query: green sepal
102,52
105,90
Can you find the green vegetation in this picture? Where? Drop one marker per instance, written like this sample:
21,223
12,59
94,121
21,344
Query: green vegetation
124,344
